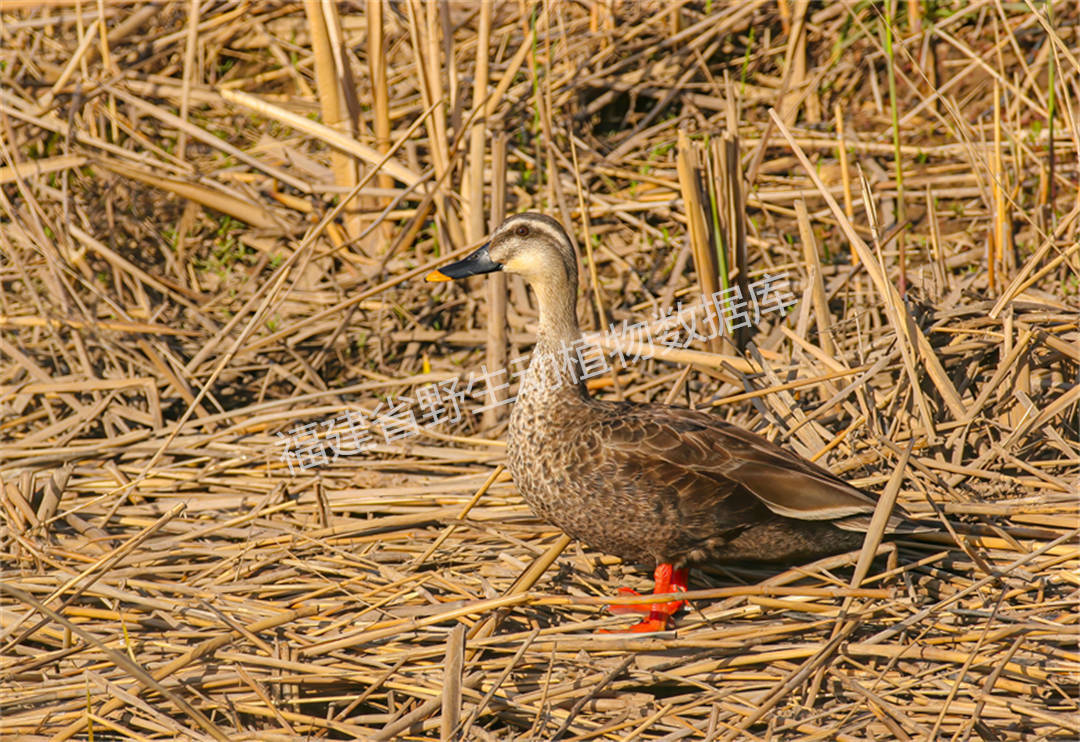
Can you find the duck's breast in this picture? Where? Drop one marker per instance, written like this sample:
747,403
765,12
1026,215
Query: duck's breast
556,456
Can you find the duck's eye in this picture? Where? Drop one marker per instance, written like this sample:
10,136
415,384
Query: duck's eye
522,231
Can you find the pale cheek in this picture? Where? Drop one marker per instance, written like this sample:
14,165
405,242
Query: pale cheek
525,265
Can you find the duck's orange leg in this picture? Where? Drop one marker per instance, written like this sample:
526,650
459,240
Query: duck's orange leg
667,579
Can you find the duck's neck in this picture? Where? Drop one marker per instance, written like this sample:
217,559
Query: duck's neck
552,370
558,317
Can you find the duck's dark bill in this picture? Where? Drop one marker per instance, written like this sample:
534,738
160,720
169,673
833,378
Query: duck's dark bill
474,264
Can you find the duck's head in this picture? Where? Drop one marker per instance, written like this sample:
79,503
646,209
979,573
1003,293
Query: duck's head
534,246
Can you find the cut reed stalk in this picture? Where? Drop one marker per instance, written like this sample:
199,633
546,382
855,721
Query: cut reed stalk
333,78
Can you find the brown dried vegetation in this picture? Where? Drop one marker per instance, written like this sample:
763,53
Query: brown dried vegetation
213,221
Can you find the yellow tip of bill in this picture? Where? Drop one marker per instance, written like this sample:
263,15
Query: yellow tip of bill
437,276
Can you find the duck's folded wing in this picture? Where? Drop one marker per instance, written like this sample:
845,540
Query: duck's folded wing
700,447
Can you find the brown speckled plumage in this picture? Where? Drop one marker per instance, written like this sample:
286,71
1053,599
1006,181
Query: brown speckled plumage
651,483
654,484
